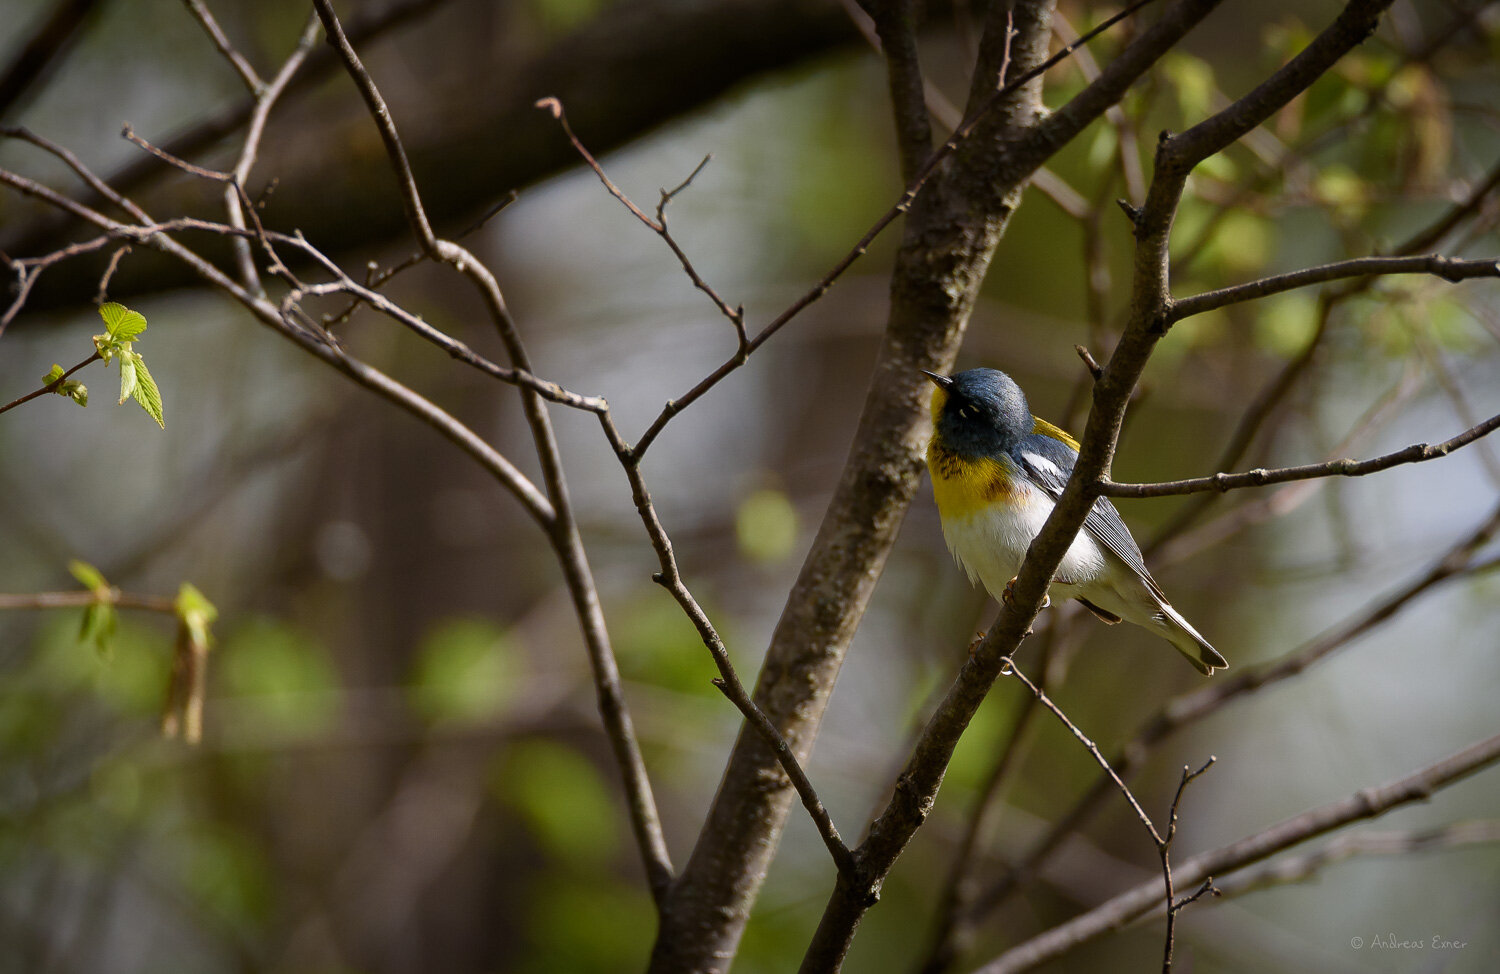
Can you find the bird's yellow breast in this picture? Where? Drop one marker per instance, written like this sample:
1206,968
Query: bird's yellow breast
962,486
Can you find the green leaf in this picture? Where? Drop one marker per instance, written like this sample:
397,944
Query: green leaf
99,624
76,391
128,360
123,324
196,612
88,576
57,372
146,393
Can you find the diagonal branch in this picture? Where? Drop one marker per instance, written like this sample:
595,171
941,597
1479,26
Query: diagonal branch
562,531
1416,453
1448,268
1368,803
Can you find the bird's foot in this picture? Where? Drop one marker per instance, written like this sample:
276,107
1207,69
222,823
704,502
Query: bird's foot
1009,595
974,643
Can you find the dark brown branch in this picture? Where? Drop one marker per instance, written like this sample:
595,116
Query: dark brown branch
562,532
1366,804
236,60
411,199
981,177
1448,268
1300,869
658,226
895,25
1416,453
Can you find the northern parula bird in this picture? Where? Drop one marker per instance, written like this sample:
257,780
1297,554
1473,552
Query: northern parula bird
996,474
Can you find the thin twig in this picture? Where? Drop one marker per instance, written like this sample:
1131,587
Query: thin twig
1164,847
84,599
266,95
128,132
1451,269
658,226
236,60
562,531
728,682
1010,669
1416,453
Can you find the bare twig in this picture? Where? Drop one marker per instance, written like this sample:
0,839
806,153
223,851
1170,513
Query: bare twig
658,226
129,133
266,95
84,599
1164,847
1300,869
74,163
1448,268
1416,453
1010,669
109,272
236,60
562,531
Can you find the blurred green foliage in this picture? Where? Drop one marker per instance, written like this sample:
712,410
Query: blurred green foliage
281,675
466,671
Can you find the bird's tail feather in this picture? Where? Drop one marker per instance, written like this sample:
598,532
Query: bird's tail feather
1189,642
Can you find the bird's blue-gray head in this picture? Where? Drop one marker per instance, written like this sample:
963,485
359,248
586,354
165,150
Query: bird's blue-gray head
979,412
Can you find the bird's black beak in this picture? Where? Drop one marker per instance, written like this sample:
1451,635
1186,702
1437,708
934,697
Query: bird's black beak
941,381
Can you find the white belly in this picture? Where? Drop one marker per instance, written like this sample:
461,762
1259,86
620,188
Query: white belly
991,543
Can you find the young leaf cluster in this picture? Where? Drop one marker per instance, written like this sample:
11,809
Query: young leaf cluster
100,620
72,388
122,328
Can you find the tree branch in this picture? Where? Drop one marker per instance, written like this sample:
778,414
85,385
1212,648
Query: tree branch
1369,803
1416,453
562,531
1448,268
52,386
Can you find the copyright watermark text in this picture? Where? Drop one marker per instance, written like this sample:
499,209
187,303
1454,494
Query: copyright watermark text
1391,941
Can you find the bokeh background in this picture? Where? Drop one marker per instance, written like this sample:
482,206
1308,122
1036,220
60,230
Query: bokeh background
403,768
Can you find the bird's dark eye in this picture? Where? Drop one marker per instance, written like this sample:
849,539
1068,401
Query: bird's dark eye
963,412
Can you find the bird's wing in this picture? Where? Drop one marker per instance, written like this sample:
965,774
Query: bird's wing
1047,463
